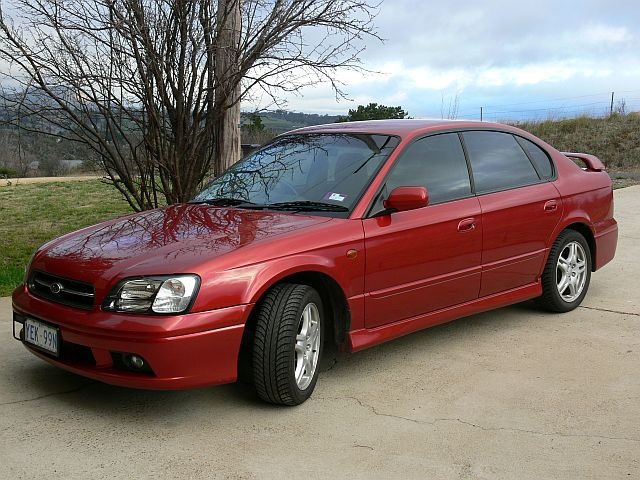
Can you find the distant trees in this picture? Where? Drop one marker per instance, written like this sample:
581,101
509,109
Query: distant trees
373,111
299,119
153,87
24,153
253,130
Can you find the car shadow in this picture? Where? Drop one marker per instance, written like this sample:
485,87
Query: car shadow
478,328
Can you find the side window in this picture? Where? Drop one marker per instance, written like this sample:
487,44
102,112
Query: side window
538,156
497,161
435,162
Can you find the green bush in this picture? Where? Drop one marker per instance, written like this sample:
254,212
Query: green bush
7,172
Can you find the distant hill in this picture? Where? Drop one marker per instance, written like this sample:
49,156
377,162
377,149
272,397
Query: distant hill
281,121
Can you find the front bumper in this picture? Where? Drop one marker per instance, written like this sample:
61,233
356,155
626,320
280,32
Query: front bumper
182,351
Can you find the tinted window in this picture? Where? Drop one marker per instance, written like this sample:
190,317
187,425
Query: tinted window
434,162
497,161
329,168
538,156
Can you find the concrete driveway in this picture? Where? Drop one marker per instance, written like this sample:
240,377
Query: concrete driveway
513,394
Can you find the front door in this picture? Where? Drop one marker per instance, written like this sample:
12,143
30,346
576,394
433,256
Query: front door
427,259
422,260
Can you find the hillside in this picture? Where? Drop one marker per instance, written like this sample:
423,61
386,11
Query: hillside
280,121
615,139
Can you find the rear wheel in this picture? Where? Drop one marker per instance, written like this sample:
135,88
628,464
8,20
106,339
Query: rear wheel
566,276
288,343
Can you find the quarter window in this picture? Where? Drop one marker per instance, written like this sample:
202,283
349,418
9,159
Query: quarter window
497,161
538,156
435,162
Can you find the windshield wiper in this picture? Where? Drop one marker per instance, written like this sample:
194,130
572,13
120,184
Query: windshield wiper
229,202
308,206
305,205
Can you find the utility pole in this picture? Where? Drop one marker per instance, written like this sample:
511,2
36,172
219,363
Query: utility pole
481,113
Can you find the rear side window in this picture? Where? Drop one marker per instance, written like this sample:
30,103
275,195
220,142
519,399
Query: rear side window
497,161
538,156
437,163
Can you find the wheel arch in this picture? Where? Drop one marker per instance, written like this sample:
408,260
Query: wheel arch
335,304
587,233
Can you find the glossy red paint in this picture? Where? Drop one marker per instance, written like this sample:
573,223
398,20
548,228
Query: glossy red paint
417,265
592,162
516,235
413,269
407,198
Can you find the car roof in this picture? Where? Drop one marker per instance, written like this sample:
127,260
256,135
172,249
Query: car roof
398,127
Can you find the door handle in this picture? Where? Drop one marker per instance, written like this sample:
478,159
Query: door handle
467,225
551,206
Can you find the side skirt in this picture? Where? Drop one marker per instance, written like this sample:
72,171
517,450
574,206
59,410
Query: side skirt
368,337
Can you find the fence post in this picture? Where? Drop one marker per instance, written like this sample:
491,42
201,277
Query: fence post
611,111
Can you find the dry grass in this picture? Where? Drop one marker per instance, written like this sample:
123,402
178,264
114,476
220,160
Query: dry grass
616,139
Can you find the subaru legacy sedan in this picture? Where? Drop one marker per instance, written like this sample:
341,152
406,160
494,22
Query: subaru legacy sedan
352,234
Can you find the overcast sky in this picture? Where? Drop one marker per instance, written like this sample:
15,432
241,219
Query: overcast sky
517,59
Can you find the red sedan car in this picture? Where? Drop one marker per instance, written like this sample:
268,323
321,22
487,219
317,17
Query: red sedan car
353,233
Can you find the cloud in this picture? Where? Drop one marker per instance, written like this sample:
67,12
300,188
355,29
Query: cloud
492,53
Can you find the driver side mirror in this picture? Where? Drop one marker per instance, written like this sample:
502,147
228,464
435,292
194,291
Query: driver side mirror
402,199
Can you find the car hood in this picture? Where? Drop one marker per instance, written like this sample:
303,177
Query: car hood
172,240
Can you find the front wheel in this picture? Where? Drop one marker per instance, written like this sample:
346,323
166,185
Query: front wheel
288,343
566,276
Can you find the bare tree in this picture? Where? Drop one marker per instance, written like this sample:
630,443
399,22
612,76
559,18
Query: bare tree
450,111
154,87
14,160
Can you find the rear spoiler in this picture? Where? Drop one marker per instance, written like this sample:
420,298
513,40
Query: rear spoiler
592,163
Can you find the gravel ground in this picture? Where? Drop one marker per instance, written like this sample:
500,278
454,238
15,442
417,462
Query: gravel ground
7,182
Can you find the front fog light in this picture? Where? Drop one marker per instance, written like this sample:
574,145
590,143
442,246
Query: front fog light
174,295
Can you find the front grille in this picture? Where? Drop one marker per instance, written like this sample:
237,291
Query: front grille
62,290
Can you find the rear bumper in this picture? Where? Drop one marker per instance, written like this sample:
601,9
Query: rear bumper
606,238
202,350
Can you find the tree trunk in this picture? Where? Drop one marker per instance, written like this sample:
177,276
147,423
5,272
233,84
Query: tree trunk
227,96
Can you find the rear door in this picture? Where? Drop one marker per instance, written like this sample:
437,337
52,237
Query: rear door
520,207
427,259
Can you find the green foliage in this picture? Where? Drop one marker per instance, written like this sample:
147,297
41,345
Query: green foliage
7,172
32,214
373,111
255,124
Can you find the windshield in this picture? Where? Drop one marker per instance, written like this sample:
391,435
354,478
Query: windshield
311,173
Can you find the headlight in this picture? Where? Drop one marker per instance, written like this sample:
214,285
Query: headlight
158,294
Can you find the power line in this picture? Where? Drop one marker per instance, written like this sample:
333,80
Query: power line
563,107
597,108
605,94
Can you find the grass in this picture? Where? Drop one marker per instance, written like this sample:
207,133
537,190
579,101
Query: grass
32,214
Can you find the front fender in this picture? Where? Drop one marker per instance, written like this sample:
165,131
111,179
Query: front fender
246,284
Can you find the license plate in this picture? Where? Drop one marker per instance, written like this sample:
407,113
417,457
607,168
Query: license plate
41,335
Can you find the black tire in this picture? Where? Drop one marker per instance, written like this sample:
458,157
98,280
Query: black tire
276,352
552,299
